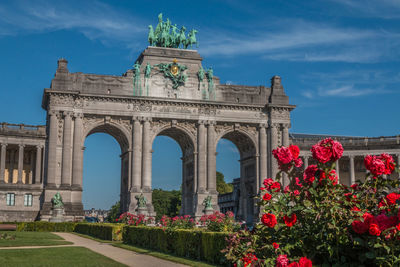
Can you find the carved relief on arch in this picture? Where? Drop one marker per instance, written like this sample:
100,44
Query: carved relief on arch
119,128
61,100
184,133
243,136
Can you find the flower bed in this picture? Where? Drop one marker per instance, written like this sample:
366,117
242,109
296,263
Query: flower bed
317,220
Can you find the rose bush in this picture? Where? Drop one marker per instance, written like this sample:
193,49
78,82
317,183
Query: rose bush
219,222
316,220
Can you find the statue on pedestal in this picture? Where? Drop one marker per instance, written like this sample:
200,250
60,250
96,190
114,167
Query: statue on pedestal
57,208
208,209
141,204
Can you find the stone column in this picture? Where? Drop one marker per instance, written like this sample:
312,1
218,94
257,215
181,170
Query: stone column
195,171
52,149
32,166
285,142
3,162
352,174
337,169
201,158
146,156
38,164
263,153
211,164
274,144
305,161
20,162
136,156
67,151
11,170
77,158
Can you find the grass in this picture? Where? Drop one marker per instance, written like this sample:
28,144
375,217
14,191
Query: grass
60,257
32,239
163,256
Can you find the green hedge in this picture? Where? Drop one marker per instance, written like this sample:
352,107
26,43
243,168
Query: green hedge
105,231
194,244
42,226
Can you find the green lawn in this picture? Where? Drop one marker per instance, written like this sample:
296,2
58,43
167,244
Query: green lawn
60,257
32,239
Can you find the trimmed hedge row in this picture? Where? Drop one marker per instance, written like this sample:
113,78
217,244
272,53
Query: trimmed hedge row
194,244
105,231
42,226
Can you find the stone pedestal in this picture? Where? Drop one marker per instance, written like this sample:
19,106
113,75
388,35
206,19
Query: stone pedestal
208,211
57,215
142,211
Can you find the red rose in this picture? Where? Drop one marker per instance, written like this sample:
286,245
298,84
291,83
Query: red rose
309,173
389,163
304,262
398,227
282,155
391,198
368,218
275,245
290,221
267,197
267,182
295,151
298,183
294,264
374,229
248,259
359,227
269,220
375,165
282,261
298,162
275,187
355,208
327,150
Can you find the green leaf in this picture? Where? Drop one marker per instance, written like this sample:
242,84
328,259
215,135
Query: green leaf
370,255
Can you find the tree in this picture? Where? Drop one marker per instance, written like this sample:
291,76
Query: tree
114,212
166,202
222,186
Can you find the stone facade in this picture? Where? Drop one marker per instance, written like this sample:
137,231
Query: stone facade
135,108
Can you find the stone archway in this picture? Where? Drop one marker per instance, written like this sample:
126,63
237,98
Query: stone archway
246,144
187,143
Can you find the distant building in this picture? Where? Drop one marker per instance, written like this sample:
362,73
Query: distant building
101,215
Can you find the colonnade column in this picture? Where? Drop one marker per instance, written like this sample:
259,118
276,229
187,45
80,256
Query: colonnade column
38,164
305,161
3,162
337,169
263,153
136,155
352,174
20,162
12,163
285,142
77,158
201,158
211,164
32,159
52,146
146,156
274,144
67,150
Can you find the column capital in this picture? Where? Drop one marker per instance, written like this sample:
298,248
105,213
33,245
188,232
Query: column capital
39,146
262,125
274,125
211,123
67,113
351,156
78,115
286,125
21,145
3,144
53,112
201,122
146,119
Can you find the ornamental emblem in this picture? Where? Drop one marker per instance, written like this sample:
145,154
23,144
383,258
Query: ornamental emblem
173,71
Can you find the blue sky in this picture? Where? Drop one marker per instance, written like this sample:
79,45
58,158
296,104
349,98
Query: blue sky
338,59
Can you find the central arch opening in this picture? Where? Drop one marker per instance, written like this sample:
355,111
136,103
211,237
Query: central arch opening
173,172
238,151
105,171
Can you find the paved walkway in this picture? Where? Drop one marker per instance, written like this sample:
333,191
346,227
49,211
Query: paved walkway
124,256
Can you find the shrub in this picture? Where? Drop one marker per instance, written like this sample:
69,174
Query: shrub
194,244
316,218
43,226
178,222
105,231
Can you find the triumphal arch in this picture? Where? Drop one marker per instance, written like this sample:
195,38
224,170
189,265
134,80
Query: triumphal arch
168,92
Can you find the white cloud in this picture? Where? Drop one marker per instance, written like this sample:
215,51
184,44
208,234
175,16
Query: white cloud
386,9
93,19
346,91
